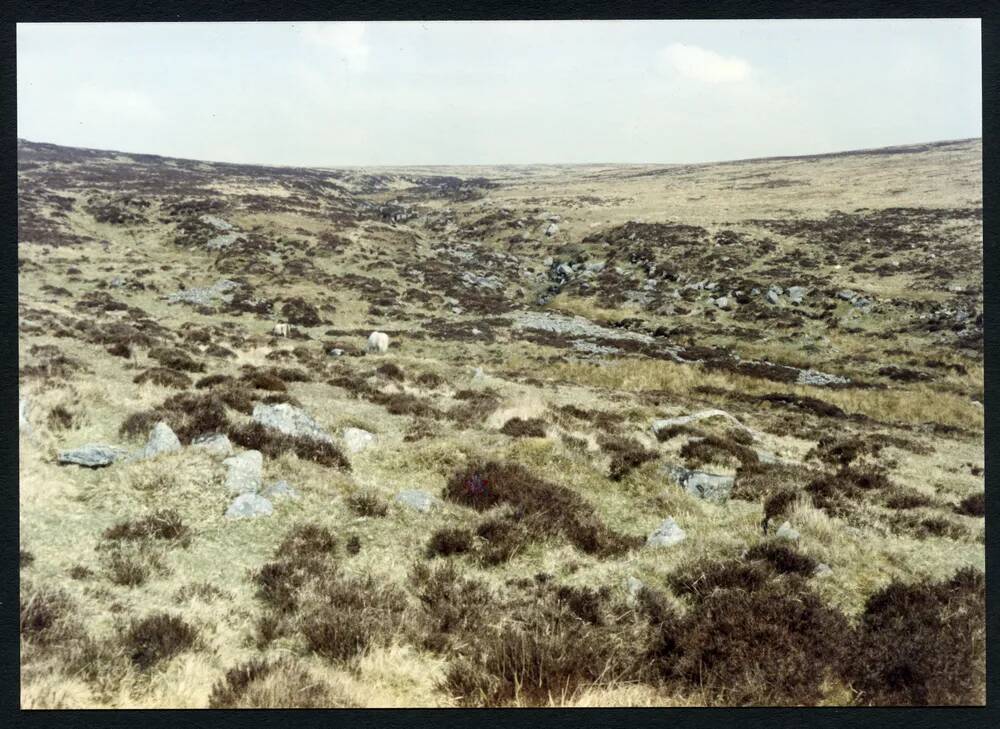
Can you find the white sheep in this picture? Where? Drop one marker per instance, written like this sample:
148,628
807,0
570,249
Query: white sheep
378,342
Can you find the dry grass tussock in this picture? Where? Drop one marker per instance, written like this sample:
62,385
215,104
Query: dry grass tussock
916,405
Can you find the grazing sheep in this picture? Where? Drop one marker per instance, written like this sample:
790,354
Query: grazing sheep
280,330
378,342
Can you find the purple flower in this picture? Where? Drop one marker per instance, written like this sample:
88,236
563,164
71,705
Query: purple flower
476,485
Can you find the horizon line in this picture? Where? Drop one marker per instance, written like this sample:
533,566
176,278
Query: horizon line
910,147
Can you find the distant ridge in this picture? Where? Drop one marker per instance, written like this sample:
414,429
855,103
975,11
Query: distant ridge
891,150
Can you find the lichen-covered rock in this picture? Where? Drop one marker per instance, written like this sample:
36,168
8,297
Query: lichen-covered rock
356,439
215,443
92,455
249,505
708,486
280,489
667,534
419,500
787,533
244,476
161,440
290,420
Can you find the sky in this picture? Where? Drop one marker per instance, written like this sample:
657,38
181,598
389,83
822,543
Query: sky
528,92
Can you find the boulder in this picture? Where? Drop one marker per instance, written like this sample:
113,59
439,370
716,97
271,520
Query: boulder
92,455
419,500
356,439
667,534
722,302
249,505
708,486
773,297
161,440
822,570
289,420
819,379
787,533
796,294
215,443
551,229
244,476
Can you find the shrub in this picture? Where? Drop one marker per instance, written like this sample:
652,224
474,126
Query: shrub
430,380
542,508
503,537
213,380
353,545
626,455
272,443
544,650
973,505
227,693
299,312
156,638
80,572
368,504
717,449
834,492
843,451
524,428
761,480
446,542
783,558
240,399
25,558
308,541
451,605
306,552
138,425
777,505
128,563
390,371
776,644
164,377
175,359
46,615
923,643
164,524
258,684
60,418
187,414
120,349
264,381
350,615
906,498
702,578
401,403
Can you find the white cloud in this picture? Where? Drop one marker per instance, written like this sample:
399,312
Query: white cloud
703,65
347,40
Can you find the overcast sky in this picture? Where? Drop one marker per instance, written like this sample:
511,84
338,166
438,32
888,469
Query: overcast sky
329,94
